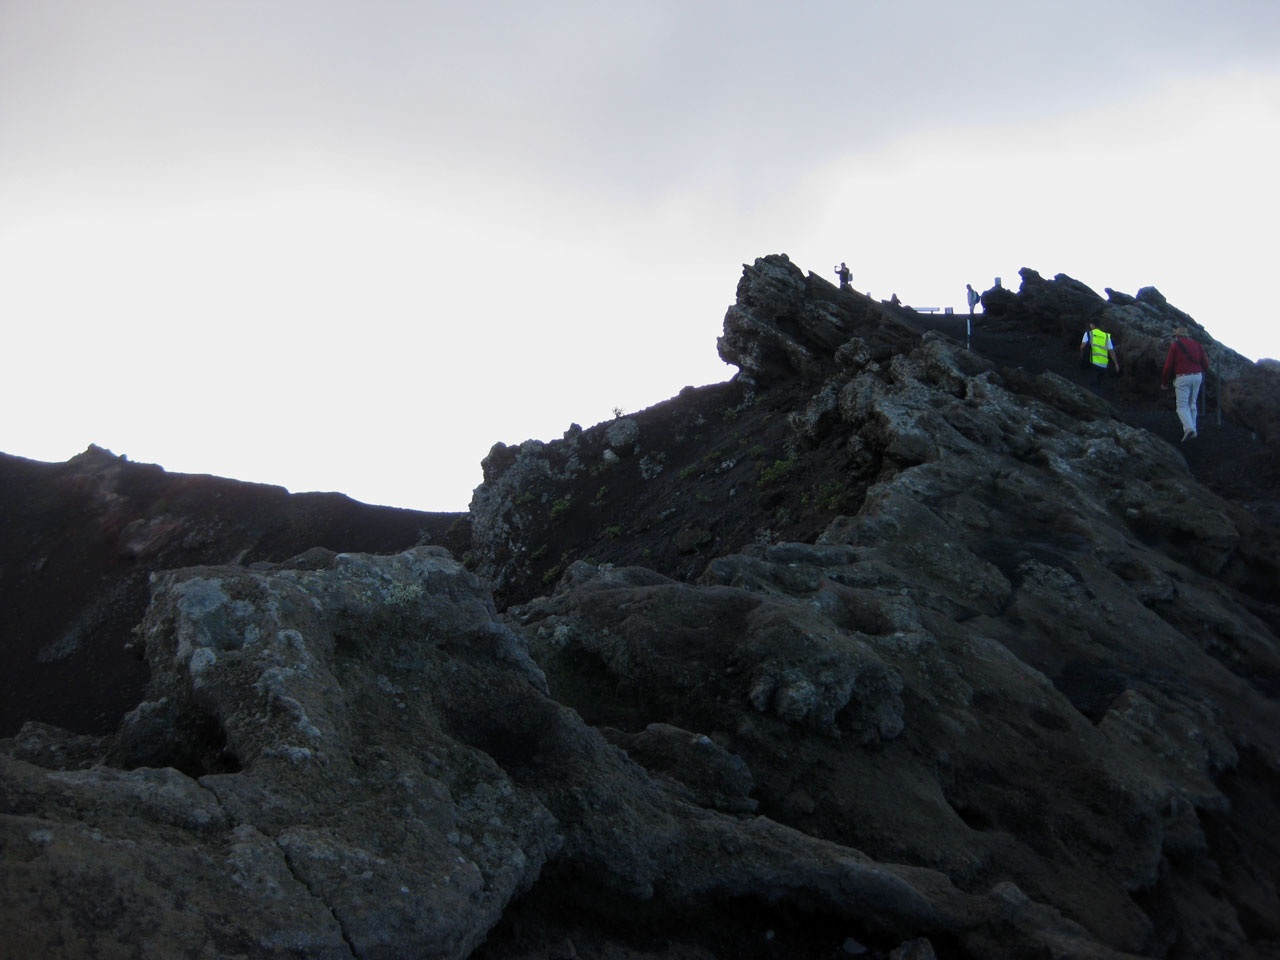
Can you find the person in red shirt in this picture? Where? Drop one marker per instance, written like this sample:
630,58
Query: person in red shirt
1186,364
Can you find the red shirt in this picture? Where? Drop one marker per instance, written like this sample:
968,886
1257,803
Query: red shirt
1185,356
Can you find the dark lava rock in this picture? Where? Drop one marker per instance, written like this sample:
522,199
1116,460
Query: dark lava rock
81,539
888,647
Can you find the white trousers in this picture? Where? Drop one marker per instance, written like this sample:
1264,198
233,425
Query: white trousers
1186,394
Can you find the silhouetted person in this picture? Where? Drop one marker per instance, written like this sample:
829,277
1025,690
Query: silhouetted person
895,301
1187,364
843,273
974,297
1098,342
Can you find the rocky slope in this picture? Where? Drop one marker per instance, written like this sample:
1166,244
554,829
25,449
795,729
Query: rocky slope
81,538
885,648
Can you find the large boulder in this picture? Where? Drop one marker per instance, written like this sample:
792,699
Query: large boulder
299,779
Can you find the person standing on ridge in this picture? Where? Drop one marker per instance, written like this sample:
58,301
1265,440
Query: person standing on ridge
1098,342
974,297
843,273
1187,363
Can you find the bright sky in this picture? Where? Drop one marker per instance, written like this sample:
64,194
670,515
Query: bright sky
349,246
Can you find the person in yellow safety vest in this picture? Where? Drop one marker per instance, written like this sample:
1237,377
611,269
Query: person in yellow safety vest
1098,342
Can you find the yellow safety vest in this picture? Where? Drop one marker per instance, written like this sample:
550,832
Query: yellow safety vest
1098,347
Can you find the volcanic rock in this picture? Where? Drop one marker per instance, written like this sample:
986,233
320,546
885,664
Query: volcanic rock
888,647
82,537
1253,398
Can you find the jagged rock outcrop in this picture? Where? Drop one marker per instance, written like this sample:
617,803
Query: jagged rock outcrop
361,760
886,648
785,324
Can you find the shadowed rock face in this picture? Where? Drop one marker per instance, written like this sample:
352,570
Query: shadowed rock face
886,648
1253,398
363,760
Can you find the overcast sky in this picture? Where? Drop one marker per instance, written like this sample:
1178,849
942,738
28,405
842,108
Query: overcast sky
350,245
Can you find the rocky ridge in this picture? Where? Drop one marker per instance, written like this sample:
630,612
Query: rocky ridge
82,538
885,648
